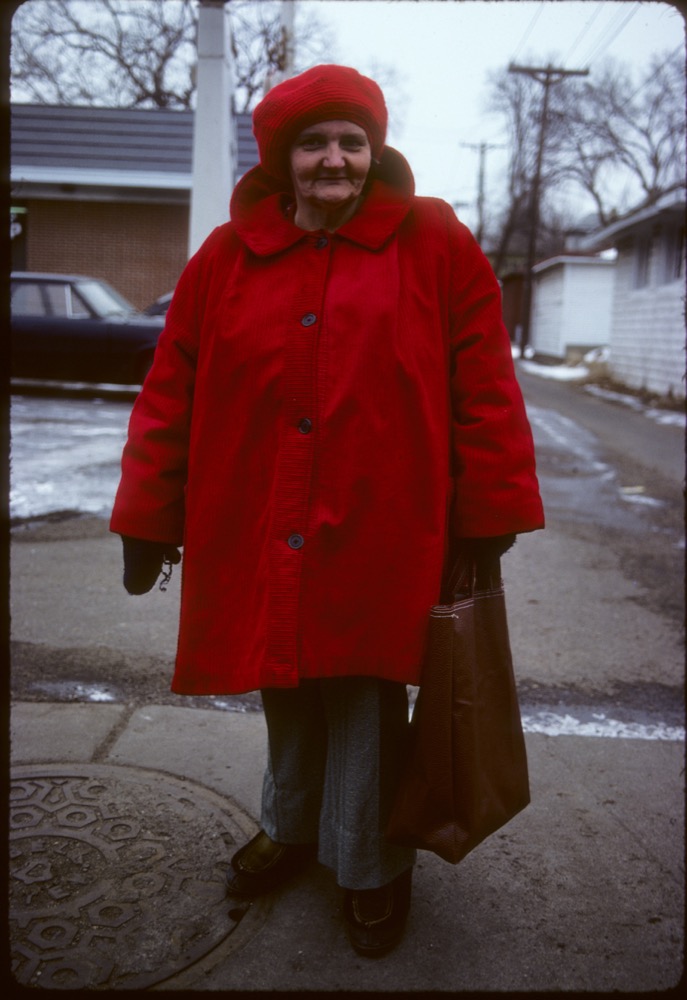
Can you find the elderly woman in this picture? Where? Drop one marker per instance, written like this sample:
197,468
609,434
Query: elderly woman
331,421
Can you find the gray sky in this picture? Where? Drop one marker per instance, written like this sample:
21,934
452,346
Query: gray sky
443,51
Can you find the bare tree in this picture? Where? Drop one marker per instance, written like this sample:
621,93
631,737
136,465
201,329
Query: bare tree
511,99
517,99
141,53
617,139
104,54
619,128
259,46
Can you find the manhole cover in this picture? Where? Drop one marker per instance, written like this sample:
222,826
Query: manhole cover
117,876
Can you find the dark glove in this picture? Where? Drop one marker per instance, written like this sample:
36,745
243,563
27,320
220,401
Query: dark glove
143,562
474,558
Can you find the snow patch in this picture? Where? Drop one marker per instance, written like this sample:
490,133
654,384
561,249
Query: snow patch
598,355
640,498
553,724
561,373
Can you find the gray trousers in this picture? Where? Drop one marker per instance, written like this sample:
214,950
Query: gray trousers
333,763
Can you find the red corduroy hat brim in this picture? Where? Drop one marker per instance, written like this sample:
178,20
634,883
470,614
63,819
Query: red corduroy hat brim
324,93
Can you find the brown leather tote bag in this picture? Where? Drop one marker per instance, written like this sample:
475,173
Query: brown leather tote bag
466,770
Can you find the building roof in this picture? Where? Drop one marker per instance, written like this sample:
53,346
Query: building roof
111,147
571,258
669,205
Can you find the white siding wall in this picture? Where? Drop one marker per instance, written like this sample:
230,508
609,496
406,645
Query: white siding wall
571,306
588,304
648,328
547,312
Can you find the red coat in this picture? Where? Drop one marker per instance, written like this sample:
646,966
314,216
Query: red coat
295,434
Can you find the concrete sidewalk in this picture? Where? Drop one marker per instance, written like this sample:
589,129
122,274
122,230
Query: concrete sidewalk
582,891
125,815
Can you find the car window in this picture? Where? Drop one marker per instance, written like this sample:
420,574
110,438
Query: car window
57,299
77,307
27,299
104,300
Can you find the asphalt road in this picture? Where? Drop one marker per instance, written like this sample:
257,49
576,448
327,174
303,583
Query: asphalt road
583,891
638,444
618,474
596,601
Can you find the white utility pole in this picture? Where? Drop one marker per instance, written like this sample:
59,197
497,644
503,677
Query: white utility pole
214,139
288,22
287,45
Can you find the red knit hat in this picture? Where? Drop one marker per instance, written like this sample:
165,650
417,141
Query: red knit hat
323,93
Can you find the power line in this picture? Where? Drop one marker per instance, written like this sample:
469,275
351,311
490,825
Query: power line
611,33
608,32
585,29
528,29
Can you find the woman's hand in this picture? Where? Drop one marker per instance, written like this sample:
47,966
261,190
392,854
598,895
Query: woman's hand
143,562
477,559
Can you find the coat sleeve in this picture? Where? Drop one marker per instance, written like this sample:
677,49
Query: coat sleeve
149,503
493,465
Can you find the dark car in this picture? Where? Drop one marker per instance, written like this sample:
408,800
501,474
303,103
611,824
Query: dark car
160,306
71,328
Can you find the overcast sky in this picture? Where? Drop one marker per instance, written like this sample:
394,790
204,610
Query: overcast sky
444,49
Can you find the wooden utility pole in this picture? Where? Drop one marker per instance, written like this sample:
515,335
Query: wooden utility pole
482,147
547,76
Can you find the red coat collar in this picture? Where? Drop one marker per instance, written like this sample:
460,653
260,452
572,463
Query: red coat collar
259,209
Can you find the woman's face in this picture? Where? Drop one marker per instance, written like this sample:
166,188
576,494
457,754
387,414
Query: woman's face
329,164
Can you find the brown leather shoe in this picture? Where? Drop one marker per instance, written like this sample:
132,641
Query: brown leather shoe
262,865
376,918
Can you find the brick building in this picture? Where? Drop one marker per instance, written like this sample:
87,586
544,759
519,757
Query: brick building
106,192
